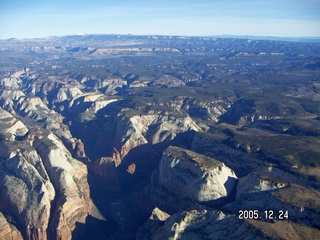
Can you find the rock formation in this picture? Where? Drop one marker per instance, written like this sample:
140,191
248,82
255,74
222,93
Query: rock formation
43,189
174,135
10,126
193,176
153,127
184,180
212,224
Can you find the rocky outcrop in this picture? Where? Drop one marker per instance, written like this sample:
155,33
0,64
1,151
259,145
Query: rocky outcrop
185,179
206,109
87,105
265,178
169,81
69,177
42,186
111,86
10,127
211,224
79,151
37,113
26,191
34,108
153,226
26,194
153,127
11,93
101,103
66,93
55,92
193,176
159,215
268,188
11,81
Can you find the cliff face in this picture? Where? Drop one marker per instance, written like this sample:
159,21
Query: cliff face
153,127
44,191
243,115
105,173
10,126
184,180
69,177
128,124
193,176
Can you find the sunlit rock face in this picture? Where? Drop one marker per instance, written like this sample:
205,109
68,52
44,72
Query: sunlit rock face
7,230
152,127
10,126
41,186
194,176
265,178
103,110
69,177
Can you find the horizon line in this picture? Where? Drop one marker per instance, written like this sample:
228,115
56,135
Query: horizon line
168,35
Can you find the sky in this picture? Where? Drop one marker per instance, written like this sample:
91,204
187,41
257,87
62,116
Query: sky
43,18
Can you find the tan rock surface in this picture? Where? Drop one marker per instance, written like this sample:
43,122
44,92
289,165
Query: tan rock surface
42,187
8,231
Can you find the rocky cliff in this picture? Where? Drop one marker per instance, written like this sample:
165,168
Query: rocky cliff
186,130
44,191
184,180
153,127
193,176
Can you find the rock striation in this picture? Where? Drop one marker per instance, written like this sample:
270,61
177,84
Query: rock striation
7,230
104,109
69,177
152,127
43,190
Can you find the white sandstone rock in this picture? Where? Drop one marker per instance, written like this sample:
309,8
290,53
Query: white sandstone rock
194,176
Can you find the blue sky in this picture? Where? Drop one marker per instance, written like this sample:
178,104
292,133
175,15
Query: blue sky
40,18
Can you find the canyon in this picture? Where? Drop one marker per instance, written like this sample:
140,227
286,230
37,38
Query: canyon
166,137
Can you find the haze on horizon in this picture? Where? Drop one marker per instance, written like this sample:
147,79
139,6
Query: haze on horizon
285,18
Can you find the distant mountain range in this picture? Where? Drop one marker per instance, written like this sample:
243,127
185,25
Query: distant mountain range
273,38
